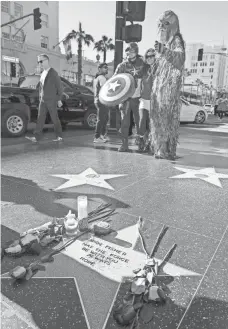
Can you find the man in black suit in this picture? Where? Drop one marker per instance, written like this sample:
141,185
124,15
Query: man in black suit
50,95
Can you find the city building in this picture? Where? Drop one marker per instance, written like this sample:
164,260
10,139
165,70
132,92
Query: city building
212,70
21,44
69,69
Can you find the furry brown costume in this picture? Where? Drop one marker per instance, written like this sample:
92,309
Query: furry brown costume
165,96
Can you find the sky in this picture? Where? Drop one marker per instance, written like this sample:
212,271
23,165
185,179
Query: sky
200,21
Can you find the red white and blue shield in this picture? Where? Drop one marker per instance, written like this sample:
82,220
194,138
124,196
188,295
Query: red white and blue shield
117,89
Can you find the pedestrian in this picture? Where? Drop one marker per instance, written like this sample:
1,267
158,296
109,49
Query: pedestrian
133,64
165,96
102,110
216,106
222,106
132,125
144,102
50,95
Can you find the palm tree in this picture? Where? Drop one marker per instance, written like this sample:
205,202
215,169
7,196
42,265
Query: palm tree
104,45
80,37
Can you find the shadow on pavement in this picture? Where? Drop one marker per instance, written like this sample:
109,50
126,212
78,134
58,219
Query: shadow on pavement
24,191
204,313
55,303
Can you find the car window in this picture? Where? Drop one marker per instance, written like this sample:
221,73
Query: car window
184,101
30,82
85,90
66,87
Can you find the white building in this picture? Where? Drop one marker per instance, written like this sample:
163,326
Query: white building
20,44
212,69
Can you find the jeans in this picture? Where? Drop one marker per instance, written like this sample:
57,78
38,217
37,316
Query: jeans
102,119
44,108
125,111
144,119
220,114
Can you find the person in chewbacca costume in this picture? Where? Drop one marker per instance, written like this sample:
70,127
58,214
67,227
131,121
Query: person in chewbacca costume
165,95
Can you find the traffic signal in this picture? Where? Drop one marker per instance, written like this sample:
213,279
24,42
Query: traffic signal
200,54
134,10
13,70
132,33
37,19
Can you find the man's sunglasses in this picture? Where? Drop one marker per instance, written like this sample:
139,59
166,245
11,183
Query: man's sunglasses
41,61
150,56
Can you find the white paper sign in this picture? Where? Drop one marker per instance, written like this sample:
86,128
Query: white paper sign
114,261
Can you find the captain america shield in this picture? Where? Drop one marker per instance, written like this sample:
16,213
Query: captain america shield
117,89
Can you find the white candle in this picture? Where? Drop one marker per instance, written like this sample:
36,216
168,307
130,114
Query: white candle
82,207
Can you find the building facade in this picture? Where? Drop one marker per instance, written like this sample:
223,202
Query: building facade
212,70
20,44
69,70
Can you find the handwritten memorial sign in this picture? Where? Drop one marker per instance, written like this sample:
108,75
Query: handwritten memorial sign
114,261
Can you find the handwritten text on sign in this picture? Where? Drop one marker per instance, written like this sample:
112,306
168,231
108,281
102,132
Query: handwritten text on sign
106,258
98,251
114,261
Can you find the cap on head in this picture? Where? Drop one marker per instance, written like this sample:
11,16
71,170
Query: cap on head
101,65
133,47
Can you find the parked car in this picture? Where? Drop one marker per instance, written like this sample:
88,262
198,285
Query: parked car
79,107
209,108
192,113
15,116
78,103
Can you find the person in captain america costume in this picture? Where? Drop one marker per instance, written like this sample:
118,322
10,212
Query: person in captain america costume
133,64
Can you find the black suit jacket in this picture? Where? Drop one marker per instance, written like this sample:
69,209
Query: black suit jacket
52,89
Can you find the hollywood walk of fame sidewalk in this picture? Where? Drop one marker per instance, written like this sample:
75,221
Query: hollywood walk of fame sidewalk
193,205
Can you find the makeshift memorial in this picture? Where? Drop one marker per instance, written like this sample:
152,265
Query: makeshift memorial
33,240
145,287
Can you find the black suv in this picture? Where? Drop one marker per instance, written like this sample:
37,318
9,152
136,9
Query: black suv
78,105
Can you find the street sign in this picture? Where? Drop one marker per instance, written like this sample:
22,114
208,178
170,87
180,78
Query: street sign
10,59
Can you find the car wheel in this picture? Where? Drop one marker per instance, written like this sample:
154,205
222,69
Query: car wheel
90,119
200,117
14,123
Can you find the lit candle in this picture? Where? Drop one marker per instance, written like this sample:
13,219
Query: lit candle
82,212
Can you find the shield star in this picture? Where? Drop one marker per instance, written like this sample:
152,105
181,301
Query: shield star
88,176
113,85
208,175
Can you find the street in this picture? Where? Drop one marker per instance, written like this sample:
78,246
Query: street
189,195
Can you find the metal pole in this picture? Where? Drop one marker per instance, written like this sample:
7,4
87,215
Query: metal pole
58,43
120,23
18,19
118,57
20,29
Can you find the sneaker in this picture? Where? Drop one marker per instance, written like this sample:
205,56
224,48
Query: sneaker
99,140
123,148
105,138
58,139
32,139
